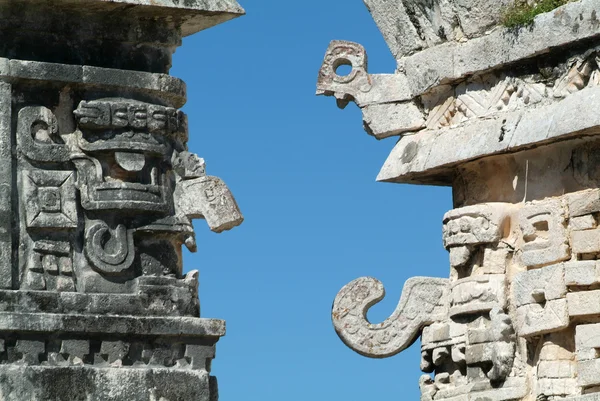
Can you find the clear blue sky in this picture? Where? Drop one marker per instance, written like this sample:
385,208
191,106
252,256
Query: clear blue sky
303,173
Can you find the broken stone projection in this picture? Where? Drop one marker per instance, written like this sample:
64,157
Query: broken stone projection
508,117
98,191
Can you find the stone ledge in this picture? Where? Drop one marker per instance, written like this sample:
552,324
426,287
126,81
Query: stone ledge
160,85
450,63
195,15
110,325
18,383
430,156
454,61
91,304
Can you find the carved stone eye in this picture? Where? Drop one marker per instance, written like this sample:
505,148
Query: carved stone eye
130,161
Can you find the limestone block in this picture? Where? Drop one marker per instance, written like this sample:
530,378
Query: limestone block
583,202
553,351
589,373
584,303
209,198
556,369
587,241
557,387
30,350
133,384
495,259
587,341
500,47
389,119
423,302
585,222
537,319
479,353
477,294
582,273
441,150
437,332
513,388
474,225
477,16
358,85
539,285
544,233
200,356
419,23
587,397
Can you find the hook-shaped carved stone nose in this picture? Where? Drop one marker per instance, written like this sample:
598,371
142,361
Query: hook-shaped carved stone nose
423,301
210,199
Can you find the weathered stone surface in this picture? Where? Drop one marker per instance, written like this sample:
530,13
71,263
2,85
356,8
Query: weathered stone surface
423,301
544,234
477,294
504,133
582,273
69,383
474,225
137,35
584,303
539,285
98,192
507,117
541,318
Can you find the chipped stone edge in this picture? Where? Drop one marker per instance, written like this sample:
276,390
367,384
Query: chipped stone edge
429,156
107,324
161,85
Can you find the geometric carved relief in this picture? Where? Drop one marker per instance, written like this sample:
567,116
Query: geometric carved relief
49,199
478,294
544,231
540,298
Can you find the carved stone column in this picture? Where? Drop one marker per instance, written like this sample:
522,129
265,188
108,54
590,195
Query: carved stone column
98,191
508,118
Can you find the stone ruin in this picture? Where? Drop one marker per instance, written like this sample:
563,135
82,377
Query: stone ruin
98,191
508,117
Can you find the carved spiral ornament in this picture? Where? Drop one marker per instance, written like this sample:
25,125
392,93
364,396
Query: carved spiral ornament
423,300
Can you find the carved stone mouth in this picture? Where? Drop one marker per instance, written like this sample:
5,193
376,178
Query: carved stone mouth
126,196
125,141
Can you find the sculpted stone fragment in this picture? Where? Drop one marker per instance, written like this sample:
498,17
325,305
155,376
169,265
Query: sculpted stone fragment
474,225
477,294
506,116
94,169
544,233
423,301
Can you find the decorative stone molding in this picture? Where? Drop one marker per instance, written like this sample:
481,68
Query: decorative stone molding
98,191
506,117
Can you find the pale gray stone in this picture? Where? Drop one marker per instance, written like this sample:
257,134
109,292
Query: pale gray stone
585,303
586,222
423,301
539,285
477,294
389,119
453,61
587,241
583,202
581,273
544,233
507,118
96,188
537,127
537,319
474,225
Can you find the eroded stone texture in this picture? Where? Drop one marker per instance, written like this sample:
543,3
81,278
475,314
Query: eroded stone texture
98,193
507,117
